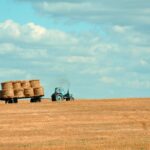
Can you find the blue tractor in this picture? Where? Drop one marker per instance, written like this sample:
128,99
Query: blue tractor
60,95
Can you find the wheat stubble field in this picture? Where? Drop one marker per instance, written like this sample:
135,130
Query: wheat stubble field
121,124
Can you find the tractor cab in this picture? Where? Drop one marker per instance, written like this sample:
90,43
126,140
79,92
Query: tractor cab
59,90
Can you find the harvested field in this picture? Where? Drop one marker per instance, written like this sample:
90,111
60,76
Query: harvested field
121,124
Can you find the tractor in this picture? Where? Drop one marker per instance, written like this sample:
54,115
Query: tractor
60,95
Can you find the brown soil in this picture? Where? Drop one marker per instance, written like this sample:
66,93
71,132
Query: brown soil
119,124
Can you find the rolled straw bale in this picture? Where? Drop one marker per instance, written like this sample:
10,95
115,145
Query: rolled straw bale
39,91
19,93
16,85
28,92
35,83
7,85
7,93
25,84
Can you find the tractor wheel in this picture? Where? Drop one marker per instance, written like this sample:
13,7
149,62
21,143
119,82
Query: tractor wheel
67,99
15,100
33,100
39,99
10,101
6,101
53,97
59,98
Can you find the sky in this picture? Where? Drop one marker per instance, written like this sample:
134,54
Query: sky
96,48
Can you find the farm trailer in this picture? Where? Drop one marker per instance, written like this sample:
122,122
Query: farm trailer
14,90
15,99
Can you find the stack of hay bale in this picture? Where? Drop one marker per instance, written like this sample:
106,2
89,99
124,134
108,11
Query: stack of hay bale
21,89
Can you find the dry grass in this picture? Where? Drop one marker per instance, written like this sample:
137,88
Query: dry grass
122,124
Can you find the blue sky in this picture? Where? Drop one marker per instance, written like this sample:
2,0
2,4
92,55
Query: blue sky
100,49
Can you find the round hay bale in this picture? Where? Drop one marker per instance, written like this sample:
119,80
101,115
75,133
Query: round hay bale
7,85
35,83
16,85
7,93
28,92
39,91
25,84
19,93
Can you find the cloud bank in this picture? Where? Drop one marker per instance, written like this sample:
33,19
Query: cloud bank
108,57
85,56
95,11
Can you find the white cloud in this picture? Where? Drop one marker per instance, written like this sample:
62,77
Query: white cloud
35,32
120,29
11,71
9,29
31,54
95,11
80,59
138,84
12,49
143,62
108,80
6,48
104,70
9,74
32,33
